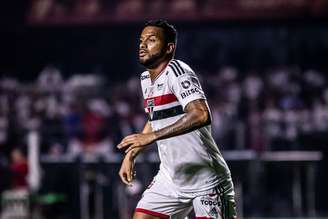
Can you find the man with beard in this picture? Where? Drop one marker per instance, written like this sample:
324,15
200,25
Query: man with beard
192,173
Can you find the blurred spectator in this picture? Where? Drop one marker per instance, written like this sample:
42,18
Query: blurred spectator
19,169
41,9
87,8
50,79
183,6
156,7
130,7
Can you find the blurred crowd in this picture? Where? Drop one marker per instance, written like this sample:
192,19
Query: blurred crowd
80,113
281,108
268,110
100,10
265,83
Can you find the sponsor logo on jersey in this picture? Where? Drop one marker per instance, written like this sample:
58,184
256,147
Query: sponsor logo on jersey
195,82
209,202
213,213
160,86
189,92
185,84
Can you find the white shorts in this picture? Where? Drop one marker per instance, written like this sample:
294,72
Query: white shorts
160,199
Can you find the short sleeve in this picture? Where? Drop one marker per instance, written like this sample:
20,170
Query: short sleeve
185,85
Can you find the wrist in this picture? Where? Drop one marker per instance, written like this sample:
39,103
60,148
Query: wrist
154,136
134,153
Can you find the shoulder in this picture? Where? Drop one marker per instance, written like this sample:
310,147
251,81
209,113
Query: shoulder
180,73
179,68
144,75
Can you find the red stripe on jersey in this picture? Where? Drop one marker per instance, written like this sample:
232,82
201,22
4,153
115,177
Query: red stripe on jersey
161,100
153,213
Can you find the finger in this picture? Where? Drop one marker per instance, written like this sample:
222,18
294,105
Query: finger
124,143
133,146
132,171
128,173
129,137
134,174
129,149
124,178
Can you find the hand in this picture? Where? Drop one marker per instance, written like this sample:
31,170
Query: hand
137,140
127,172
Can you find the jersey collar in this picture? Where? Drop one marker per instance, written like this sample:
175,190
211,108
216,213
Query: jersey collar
162,71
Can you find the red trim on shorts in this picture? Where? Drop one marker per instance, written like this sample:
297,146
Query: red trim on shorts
153,213
161,100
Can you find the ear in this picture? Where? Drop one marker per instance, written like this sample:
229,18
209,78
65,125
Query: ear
170,48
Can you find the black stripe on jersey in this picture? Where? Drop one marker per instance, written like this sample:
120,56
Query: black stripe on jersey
175,72
180,70
166,113
227,207
219,198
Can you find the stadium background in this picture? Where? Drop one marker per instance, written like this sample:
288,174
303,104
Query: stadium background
69,91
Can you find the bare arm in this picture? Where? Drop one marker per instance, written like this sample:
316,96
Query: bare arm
197,115
127,172
137,150
147,128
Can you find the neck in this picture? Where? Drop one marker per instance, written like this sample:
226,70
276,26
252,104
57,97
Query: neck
155,71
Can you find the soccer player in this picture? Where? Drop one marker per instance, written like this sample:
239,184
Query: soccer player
192,173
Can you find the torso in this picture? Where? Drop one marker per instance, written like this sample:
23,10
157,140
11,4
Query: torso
164,101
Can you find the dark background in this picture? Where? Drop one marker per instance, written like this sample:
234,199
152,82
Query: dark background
256,39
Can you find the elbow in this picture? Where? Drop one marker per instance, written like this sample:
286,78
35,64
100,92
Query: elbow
208,118
205,118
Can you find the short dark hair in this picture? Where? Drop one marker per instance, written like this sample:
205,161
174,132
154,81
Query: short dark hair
170,33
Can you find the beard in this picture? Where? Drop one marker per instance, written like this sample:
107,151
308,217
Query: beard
153,59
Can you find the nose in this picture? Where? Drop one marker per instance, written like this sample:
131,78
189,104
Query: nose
142,45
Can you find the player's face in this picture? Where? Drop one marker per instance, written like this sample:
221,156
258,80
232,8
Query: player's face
151,47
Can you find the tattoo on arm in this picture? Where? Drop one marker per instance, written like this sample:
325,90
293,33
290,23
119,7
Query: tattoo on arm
197,115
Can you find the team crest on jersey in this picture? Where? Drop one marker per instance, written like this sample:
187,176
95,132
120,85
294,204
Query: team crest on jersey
150,107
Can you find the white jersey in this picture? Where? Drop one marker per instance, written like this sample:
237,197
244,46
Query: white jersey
191,162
